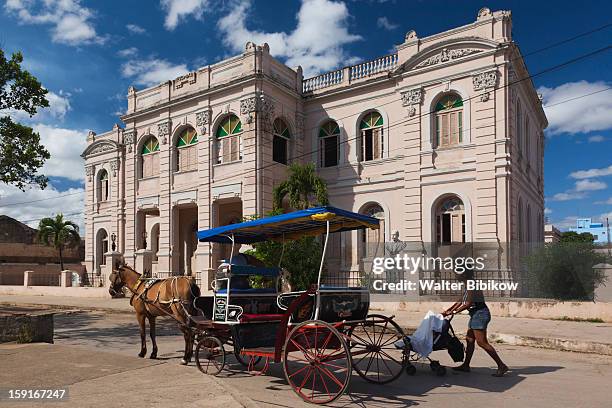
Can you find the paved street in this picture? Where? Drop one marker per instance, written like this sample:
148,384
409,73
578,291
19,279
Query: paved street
539,378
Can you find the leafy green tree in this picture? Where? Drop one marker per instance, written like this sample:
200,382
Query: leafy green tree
564,270
21,154
60,233
303,187
302,257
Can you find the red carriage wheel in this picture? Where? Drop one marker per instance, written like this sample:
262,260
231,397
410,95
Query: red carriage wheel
375,357
317,362
210,355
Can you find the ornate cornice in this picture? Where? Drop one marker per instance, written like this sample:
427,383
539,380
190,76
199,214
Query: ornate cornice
446,55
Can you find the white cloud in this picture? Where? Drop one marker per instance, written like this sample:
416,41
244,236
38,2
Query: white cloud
587,114
590,173
567,196
566,222
135,29
176,10
383,22
547,211
590,185
606,202
596,139
152,71
316,43
65,147
34,204
128,52
59,106
70,22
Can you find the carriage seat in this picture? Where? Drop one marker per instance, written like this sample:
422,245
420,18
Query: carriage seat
261,317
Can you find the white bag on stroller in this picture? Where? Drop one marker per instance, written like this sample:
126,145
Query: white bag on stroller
421,341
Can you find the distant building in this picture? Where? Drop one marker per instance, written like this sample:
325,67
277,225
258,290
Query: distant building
551,234
597,229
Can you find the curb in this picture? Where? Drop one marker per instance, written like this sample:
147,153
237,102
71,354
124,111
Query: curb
69,308
550,343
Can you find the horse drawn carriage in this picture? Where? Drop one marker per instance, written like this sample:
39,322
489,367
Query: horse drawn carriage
319,335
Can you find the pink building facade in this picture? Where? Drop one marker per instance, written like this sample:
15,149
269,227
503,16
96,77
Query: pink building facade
442,140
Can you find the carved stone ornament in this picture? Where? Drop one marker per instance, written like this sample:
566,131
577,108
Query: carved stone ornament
446,55
89,172
202,119
114,165
129,138
163,130
102,147
411,98
483,82
258,103
189,78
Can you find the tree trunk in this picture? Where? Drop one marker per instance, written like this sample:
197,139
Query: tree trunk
61,258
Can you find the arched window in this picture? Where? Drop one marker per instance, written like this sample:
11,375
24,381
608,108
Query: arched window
280,143
372,139
187,150
329,136
519,222
528,237
450,221
449,120
229,142
373,240
150,157
103,186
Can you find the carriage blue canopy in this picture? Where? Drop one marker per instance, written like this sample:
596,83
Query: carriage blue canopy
294,225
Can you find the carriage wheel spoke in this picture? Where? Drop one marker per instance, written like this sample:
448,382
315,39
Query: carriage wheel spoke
305,379
389,356
303,350
331,376
300,370
324,384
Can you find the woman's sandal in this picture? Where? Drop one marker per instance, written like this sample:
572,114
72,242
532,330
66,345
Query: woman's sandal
501,371
462,369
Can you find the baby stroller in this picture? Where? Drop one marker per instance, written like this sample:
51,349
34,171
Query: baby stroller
444,339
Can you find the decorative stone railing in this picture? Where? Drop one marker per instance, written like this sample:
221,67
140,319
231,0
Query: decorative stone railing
350,74
365,69
322,81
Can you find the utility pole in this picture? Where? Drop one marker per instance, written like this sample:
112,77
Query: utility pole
608,232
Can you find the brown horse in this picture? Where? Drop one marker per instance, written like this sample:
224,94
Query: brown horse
164,297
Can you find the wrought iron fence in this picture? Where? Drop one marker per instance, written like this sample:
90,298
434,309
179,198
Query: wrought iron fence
92,280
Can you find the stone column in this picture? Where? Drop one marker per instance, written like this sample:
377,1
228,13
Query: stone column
166,215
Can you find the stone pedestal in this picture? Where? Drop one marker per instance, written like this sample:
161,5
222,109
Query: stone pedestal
66,279
27,278
144,262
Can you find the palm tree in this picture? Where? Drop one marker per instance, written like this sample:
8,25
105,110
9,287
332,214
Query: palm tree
60,233
303,186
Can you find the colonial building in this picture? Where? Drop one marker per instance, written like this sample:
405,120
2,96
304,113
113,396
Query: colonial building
442,140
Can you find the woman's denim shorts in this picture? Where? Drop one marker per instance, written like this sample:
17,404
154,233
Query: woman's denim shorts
479,319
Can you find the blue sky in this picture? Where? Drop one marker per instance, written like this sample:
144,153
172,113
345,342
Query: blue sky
87,53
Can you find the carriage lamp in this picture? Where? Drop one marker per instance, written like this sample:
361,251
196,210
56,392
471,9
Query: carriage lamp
113,239
144,239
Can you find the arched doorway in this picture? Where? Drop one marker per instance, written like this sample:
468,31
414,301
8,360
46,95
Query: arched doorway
101,249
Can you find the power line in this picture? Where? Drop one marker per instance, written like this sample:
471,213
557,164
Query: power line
553,45
418,117
42,199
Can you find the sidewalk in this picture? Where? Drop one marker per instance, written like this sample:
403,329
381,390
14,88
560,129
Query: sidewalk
95,379
582,337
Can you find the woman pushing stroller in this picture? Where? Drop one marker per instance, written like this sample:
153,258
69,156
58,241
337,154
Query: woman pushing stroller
480,316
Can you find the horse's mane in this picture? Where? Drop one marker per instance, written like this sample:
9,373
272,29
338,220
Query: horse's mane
124,265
